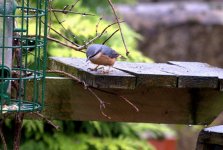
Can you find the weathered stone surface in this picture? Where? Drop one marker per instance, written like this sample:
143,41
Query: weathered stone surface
178,31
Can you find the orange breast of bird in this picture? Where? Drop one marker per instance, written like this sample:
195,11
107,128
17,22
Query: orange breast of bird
103,60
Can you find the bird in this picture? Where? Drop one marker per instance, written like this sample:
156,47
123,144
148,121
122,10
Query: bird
101,55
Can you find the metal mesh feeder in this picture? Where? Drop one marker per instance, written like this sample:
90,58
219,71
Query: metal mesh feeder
22,55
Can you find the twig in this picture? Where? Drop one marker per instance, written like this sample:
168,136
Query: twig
47,120
65,44
57,19
79,48
62,43
130,103
62,36
72,12
65,12
72,6
18,127
75,46
64,9
98,25
2,135
110,36
3,140
120,96
98,36
116,17
102,103
64,73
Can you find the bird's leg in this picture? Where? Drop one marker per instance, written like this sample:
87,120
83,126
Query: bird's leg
107,71
102,67
93,69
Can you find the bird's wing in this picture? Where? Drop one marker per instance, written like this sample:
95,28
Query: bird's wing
109,52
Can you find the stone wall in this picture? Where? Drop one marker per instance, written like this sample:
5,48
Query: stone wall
178,31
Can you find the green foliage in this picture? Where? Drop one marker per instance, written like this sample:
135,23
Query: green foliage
89,135
82,28
104,129
82,136
60,141
92,5
33,128
99,5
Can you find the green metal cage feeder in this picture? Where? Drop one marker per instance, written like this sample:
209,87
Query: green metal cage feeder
23,32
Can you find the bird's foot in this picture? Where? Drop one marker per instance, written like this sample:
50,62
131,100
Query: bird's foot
101,68
96,68
93,69
106,71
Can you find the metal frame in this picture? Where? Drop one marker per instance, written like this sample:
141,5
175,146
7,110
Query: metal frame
23,44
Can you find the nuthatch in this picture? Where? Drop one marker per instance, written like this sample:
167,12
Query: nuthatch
101,55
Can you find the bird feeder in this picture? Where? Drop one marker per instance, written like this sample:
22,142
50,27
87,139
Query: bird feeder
23,27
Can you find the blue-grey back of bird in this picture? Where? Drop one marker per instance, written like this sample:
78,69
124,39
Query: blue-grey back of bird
95,48
109,52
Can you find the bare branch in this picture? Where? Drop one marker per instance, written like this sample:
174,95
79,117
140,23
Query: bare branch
110,36
65,44
2,135
72,6
47,120
79,49
98,36
74,45
63,36
57,19
102,103
3,140
116,17
1,131
130,103
18,128
98,25
120,96
64,9
71,12
66,74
